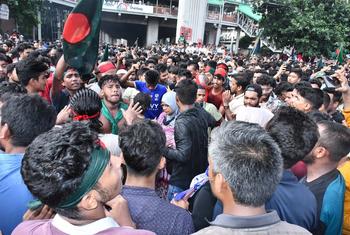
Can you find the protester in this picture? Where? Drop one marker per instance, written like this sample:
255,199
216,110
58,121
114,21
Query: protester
323,178
23,118
142,145
238,148
89,202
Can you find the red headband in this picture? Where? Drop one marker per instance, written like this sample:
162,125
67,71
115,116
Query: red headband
85,117
106,67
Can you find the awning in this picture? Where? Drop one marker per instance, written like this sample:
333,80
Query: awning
216,2
248,11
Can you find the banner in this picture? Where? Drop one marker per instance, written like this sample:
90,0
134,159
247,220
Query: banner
121,6
4,12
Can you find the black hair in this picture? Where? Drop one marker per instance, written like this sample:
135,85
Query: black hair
256,88
10,67
9,43
316,82
87,102
11,88
185,73
150,61
317,116
283,87
141,71
212,63
30,69
312,95
161,68
295,133
55,171
186,91
266,80
144,101
241,80
27,116
173,69
5,58
152,77
297,71
23,46
326,100
143,145
335,138
108,78
193,63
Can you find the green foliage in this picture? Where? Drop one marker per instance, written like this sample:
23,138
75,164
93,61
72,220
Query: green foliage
24,12
313,27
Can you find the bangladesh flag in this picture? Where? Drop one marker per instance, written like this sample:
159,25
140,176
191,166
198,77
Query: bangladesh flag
81,35
340,55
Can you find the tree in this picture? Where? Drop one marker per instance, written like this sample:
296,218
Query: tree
313,27
24,12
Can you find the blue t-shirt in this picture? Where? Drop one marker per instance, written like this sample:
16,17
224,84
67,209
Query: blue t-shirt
14,195
294,202
156,94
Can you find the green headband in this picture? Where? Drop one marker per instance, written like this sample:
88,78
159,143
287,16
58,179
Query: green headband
98,162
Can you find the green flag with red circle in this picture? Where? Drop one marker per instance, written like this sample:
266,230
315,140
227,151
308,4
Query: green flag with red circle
81,35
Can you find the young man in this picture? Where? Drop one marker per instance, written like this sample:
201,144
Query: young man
294,76
323,178
268,99
70,79
23,118
4,61
163,74
234,98
296,135
112,105
24,49
151,87
210,108
215,92
33,74
252,95
306,99
191,137
84,184
142,145
245,166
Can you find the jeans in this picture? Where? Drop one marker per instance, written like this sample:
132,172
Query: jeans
172,190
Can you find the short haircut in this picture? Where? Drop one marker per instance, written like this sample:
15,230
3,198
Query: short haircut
54,172
283,87
11,88
152,77
295,133
173,70
142,145
316,82
312,95
5,58
266,80
194,64
144,101
10,68
241,80
161,68
30,69
256,88
108,78
297,71
27,116
186,91
87,102
326,100
249,160
185,73
8,43
141,71
317,116
335,138
150,61
23,46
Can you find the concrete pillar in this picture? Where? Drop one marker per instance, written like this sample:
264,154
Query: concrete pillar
152,31
218,33
211,36
238,37
39,26
192,15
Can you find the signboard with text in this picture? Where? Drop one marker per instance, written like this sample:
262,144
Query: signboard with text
4,12
120,6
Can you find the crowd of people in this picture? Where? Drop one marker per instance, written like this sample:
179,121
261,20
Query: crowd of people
173,140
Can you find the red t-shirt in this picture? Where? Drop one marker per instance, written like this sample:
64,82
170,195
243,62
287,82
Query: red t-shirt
215,99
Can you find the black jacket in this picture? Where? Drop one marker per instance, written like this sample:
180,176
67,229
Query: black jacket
190,157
